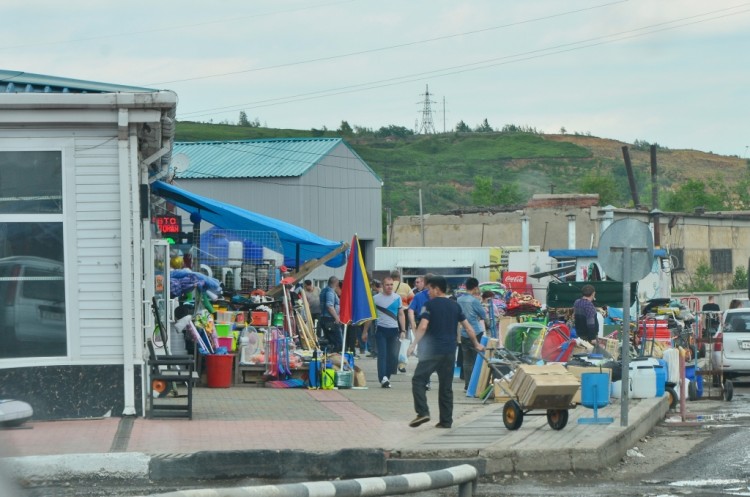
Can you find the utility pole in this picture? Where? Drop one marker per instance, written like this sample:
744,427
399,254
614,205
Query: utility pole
444,117
426,126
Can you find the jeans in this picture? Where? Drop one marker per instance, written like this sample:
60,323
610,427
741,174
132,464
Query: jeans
443,365
388,345
332,333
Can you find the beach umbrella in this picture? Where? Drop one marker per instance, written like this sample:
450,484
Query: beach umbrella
356,306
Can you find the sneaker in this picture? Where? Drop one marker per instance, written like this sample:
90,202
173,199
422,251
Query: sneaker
372,355
419,420
385,383
442,425
427,387
402,370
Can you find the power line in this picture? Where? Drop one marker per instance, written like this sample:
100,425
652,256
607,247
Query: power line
474,66
173,28
389,47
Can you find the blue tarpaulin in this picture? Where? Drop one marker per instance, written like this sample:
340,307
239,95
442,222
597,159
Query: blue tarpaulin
299,244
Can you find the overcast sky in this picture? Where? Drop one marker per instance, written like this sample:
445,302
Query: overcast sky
673,72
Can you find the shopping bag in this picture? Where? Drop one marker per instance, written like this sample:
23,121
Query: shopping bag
359,377
403,358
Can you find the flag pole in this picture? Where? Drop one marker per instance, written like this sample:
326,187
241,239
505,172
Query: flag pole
343,348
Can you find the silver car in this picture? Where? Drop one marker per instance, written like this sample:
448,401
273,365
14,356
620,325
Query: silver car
731,345
32,300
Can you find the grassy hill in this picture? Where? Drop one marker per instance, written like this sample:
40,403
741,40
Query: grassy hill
444,166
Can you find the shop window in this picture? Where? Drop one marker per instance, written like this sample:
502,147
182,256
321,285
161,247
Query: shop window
32,277
721,261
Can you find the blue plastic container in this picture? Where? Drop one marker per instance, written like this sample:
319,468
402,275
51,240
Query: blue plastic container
661,379
698,379
595,389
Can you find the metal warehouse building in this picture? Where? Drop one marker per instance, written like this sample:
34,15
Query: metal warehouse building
319,184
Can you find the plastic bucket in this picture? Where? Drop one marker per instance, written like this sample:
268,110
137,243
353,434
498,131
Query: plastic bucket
661,379
698,379
344,379
219,370
660,369
643,381
595,389
223,330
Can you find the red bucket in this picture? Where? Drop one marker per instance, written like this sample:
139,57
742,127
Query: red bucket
219,370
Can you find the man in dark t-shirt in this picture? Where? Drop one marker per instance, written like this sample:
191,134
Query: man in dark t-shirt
436,336
711,312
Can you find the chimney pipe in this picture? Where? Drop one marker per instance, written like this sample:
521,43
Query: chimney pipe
631,177
571,231
608,218
655,198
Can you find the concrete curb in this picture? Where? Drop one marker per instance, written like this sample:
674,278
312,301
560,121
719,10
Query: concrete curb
126,466
346,463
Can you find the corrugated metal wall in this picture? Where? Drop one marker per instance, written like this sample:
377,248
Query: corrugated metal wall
337,198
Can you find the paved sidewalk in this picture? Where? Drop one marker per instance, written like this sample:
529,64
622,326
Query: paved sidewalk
245,431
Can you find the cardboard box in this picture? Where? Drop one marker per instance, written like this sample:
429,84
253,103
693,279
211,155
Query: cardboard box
554,390
550,385
502,391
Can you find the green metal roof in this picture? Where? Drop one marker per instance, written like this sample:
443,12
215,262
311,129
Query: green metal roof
268,158
26,82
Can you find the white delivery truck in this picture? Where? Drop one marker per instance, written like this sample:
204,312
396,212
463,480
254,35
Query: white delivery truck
455,263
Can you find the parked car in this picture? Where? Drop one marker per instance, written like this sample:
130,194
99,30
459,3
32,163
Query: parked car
731,344
32,300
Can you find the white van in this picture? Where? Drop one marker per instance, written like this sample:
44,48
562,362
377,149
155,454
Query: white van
32,300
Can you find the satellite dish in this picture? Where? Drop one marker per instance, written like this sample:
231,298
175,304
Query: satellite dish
632,234
180,162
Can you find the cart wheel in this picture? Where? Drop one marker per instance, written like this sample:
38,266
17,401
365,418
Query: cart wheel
557,418
672,396
512,415
692,391
728,390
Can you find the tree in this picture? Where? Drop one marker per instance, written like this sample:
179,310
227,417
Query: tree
602,184
243,119
740,279
701,281
462,127
486,194
393,130
345,129
483,191
693,194
563,130
484,127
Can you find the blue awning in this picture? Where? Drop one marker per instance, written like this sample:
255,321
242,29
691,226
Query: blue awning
299,244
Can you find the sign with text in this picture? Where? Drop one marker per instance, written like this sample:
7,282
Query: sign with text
169,224
515,280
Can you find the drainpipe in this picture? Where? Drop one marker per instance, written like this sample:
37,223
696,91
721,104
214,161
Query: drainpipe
571,231
127,239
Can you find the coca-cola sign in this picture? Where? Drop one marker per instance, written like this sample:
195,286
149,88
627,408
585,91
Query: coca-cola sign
515,279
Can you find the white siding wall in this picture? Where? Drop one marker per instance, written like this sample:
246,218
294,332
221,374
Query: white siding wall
97,194
92,239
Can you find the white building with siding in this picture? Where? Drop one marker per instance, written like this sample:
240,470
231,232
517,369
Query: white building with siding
319,184
75,161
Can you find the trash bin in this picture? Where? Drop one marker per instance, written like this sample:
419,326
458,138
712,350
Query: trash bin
219,370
